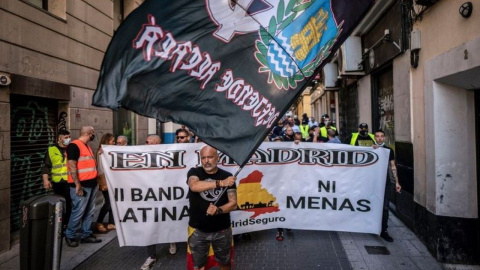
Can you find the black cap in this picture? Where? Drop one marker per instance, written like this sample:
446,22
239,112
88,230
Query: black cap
363,125
325,116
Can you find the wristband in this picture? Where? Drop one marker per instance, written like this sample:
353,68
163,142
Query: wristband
219,211
217,183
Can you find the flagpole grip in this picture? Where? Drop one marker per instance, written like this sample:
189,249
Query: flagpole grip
225,188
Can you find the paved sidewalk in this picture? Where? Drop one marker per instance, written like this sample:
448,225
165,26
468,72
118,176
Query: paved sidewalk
405,252
299,250
71,257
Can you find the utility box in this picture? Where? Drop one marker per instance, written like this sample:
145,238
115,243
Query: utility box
41,232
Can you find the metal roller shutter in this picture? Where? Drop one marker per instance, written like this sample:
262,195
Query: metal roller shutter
33,129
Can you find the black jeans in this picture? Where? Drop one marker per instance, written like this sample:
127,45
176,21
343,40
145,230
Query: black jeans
106,208
386,200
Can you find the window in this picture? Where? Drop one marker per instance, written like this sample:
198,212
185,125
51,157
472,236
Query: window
124,123
43,4
54,7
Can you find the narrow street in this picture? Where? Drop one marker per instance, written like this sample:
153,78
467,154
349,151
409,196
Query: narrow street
299,250
329,117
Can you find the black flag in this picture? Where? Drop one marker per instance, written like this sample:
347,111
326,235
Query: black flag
227,69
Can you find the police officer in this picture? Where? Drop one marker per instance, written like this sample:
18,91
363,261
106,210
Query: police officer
55,165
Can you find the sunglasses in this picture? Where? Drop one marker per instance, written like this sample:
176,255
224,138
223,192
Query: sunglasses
181,137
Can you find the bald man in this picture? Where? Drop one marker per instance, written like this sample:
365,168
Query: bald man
210,209
153,139
82,178
122,140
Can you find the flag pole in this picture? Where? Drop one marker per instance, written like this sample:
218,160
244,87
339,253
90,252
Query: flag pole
225,188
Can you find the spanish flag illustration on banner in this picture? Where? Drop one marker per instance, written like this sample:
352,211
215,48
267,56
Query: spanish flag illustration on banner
252,197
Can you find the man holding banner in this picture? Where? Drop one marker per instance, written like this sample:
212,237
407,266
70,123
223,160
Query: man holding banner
210,231
391,173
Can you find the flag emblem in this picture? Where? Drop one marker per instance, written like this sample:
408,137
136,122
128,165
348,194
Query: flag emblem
298,38
211,64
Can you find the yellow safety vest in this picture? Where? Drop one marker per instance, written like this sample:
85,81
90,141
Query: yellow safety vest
355,137
59,164
304,131
323,131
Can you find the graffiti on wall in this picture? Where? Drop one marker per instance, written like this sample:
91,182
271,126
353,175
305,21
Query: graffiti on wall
32,123
32,132
30,174
387,124
62,121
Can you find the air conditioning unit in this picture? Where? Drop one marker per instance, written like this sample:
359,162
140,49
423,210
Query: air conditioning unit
350,57
425,2
330,75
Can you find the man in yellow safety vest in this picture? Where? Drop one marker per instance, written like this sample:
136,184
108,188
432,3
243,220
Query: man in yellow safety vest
55,165
304,128
327,125
362,137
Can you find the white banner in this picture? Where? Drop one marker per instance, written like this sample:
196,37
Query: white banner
309,186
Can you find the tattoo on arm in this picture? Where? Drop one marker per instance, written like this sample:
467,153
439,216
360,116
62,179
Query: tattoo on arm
232,194
192,182
232,198
192,179
394,171
72,165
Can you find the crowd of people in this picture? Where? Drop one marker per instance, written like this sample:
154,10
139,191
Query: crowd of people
290,128
72,170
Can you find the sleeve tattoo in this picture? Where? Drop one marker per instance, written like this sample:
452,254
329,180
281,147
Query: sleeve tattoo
232,195
394,172
72,165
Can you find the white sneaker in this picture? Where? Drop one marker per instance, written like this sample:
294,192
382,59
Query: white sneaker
173,248
148,264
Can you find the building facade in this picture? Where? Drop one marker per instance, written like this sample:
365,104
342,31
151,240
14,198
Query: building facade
445,119
50,56
413,73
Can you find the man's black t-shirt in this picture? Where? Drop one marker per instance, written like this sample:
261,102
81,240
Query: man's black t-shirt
390,158
392,154
73,153
199,202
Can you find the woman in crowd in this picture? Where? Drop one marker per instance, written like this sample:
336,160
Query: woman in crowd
108,139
